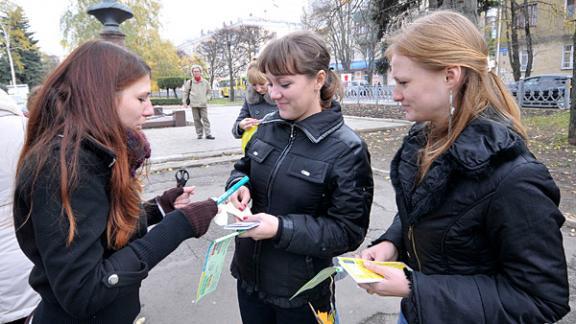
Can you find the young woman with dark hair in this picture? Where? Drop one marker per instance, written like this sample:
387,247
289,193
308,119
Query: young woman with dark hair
77,206
310,183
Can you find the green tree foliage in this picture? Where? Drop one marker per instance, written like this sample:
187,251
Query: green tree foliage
142,33
170,84
26,55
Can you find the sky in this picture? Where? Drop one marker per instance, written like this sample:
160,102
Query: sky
180,19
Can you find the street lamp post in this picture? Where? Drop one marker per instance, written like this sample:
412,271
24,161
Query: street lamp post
9,53
111,14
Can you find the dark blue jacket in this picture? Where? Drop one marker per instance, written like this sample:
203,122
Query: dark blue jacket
481,231
255,106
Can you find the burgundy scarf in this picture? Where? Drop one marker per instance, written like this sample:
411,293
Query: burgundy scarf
138,149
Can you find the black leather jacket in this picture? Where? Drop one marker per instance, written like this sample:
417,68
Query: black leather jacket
315,176
481,231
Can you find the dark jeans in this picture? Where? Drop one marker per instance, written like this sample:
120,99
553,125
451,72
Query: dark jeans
256,311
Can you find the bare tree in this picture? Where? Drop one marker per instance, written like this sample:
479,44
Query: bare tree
253,38
211,53
335,20
235,58
367,40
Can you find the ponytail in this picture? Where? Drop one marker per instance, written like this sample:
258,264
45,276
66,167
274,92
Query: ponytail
331,88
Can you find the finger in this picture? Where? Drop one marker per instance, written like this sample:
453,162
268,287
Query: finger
189,190
381,270
366,255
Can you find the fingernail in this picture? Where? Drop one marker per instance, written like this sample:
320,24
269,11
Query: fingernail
245,218
241,208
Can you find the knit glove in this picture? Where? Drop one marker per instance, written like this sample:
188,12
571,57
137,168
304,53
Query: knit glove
166,200
199,215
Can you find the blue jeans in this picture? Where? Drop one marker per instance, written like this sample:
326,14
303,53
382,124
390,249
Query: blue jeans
401,319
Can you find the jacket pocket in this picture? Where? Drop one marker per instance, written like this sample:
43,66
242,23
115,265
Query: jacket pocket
259,150
309,170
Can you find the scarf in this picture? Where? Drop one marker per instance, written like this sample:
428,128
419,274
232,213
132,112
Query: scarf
198,78
138,149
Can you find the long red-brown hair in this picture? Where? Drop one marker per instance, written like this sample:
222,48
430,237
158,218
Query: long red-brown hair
78,100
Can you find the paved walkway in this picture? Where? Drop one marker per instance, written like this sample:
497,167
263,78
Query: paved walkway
178,146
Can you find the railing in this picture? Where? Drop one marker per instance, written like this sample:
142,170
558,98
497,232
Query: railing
542,97
369,94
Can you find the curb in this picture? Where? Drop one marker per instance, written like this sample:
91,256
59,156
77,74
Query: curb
570,222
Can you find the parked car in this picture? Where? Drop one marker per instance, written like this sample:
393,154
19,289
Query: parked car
543,90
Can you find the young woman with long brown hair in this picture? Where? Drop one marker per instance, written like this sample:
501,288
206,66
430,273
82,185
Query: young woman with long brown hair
77,206
478,220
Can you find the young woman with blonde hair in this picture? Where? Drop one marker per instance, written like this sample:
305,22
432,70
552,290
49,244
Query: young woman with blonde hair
478,220
257,103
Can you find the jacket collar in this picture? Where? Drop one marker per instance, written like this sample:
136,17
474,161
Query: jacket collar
316,127
484,143
107,155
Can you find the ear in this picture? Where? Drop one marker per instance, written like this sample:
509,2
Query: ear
320,80
453,76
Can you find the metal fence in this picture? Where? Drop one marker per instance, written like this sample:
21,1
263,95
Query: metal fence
369,94
542,97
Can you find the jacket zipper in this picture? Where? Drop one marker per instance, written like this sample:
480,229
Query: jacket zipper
258,246
413,242
277,166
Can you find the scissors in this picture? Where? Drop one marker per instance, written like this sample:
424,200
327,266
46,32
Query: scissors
182,177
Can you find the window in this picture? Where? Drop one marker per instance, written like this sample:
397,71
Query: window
570,5
567,52
524,60
532,15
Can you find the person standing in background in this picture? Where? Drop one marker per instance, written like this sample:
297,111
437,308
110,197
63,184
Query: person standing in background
257,103
196,92
17,299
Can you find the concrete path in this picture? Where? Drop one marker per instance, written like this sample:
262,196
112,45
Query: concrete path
178,146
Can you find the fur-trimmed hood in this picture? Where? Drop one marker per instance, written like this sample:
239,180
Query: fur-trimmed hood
254,98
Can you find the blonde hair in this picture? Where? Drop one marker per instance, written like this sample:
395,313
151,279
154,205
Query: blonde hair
301,53
442,39
254,75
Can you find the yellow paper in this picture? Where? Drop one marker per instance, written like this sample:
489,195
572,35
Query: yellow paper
356,270
246,136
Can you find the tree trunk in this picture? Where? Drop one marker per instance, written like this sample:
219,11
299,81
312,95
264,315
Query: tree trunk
528,40
572,123
512,36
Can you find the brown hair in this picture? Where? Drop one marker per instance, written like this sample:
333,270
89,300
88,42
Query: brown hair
78,100
255,76
301,53
442,39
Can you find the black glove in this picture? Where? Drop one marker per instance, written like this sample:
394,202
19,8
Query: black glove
199,215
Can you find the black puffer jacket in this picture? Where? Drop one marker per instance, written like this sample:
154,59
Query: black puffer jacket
255,106
481,231
314,175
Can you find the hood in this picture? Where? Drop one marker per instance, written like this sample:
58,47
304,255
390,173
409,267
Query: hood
254,98
8,106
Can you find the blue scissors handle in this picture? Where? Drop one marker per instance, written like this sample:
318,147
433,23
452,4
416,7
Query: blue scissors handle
182,177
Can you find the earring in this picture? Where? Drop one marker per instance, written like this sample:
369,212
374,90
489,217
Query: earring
451,112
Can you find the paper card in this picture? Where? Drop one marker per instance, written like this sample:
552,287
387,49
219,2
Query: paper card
213,264
228,211
321,276
356,270
241,226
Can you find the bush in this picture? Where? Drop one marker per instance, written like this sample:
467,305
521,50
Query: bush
170,83
166,101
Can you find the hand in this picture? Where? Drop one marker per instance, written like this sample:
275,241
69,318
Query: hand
184,198
383,251
241,198
395,282
267,229
248,122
